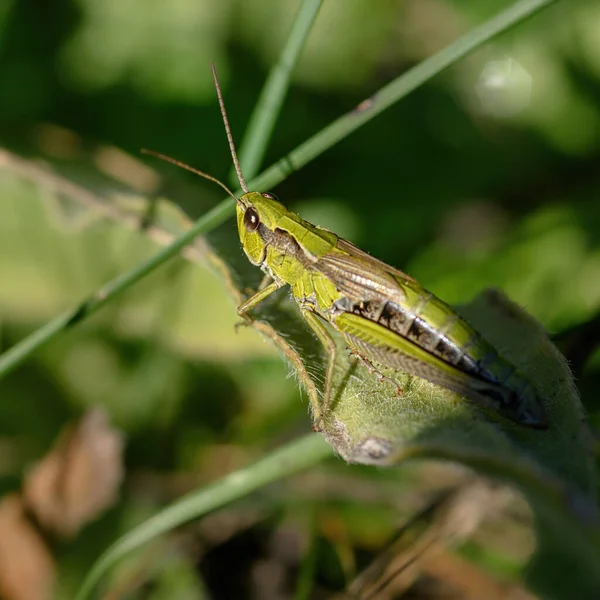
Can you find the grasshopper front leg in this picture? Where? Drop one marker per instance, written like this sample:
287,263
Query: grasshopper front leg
256,299
331,348
253,301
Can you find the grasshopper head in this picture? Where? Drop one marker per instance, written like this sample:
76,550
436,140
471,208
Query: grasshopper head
255,212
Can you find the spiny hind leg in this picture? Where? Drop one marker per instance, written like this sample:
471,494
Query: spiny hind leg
374,371
322,409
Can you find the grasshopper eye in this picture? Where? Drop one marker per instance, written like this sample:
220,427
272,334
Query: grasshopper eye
251,220
271,196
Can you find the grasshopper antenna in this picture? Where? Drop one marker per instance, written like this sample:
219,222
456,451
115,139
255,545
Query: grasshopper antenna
236,162
178,163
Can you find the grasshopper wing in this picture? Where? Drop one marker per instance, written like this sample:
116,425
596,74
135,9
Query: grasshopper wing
359,276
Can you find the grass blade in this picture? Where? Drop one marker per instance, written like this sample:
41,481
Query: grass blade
268,106
293,458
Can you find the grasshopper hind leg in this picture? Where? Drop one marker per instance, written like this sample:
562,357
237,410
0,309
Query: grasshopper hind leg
320,411
375,371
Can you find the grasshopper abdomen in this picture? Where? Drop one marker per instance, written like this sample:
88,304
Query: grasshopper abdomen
433,342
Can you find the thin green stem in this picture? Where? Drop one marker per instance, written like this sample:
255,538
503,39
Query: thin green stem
313,147
268,106
293,458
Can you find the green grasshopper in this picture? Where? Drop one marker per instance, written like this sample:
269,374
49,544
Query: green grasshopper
384,315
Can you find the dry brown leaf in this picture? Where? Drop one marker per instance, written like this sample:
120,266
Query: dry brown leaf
79,478
26,567
469,581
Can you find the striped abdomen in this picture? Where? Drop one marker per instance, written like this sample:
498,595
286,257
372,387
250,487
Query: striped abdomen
433,326
425,323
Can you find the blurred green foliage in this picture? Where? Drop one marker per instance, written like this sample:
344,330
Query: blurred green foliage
485,177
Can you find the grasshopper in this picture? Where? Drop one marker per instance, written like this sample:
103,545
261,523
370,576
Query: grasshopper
385,316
